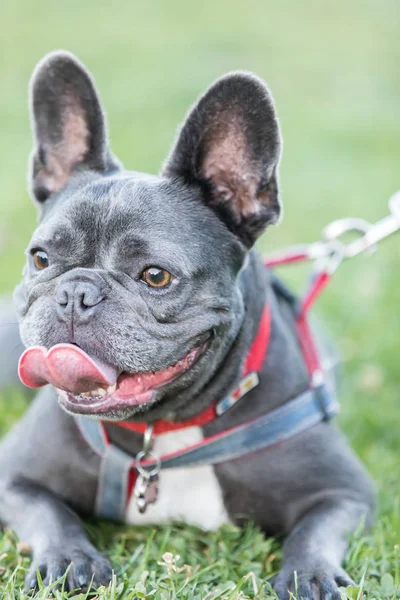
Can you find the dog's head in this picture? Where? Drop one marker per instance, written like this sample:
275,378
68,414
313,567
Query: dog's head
130,293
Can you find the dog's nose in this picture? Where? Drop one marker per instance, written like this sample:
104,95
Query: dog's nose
78,300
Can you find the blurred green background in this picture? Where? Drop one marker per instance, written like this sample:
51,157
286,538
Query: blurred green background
334,70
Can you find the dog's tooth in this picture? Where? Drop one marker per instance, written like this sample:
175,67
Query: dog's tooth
99,393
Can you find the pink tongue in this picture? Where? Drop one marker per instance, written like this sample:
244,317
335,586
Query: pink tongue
65,366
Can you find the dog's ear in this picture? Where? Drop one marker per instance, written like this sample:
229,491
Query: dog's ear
230,144
68,124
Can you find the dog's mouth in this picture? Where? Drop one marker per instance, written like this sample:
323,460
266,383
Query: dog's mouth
87,386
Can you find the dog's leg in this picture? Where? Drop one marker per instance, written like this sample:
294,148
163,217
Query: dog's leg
315,548
313,489
56,536
46,468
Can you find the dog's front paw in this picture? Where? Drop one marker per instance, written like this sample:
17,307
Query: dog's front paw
310,582
87,569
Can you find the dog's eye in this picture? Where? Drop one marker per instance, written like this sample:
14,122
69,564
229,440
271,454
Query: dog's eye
40,259
156,277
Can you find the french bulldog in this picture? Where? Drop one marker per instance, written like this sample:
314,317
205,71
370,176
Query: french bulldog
154,282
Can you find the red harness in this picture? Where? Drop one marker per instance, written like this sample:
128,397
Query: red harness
314,405
253,365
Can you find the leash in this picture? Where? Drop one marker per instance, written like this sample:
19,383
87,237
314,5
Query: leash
122,474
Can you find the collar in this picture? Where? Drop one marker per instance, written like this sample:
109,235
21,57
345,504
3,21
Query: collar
252,367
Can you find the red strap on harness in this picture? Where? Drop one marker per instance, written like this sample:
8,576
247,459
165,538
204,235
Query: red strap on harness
308,347
306,339
254,361
318,284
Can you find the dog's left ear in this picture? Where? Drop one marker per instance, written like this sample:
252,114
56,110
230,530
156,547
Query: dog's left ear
230,145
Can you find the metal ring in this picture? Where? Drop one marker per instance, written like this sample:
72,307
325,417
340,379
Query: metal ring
336,253
147,474
341,226
335,230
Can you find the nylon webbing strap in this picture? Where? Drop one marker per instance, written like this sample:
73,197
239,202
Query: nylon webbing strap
294,417
111,500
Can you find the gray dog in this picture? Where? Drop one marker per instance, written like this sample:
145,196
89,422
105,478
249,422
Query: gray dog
143,303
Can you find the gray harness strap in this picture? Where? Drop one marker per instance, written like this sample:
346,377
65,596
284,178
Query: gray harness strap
306,410
112,489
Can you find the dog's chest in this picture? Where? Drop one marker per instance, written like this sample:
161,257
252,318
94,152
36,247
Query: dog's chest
192,495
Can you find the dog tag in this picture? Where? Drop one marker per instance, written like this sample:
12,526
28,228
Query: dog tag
146,487
146,491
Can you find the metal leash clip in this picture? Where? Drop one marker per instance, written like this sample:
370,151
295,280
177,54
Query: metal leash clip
369,234
146,486
328,253
331,250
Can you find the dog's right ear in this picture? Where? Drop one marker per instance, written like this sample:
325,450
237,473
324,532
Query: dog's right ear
68,125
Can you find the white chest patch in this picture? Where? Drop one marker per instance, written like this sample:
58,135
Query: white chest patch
190,495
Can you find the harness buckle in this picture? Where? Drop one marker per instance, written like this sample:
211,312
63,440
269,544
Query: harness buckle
322,397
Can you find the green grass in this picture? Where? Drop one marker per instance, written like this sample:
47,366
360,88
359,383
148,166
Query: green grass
334,71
